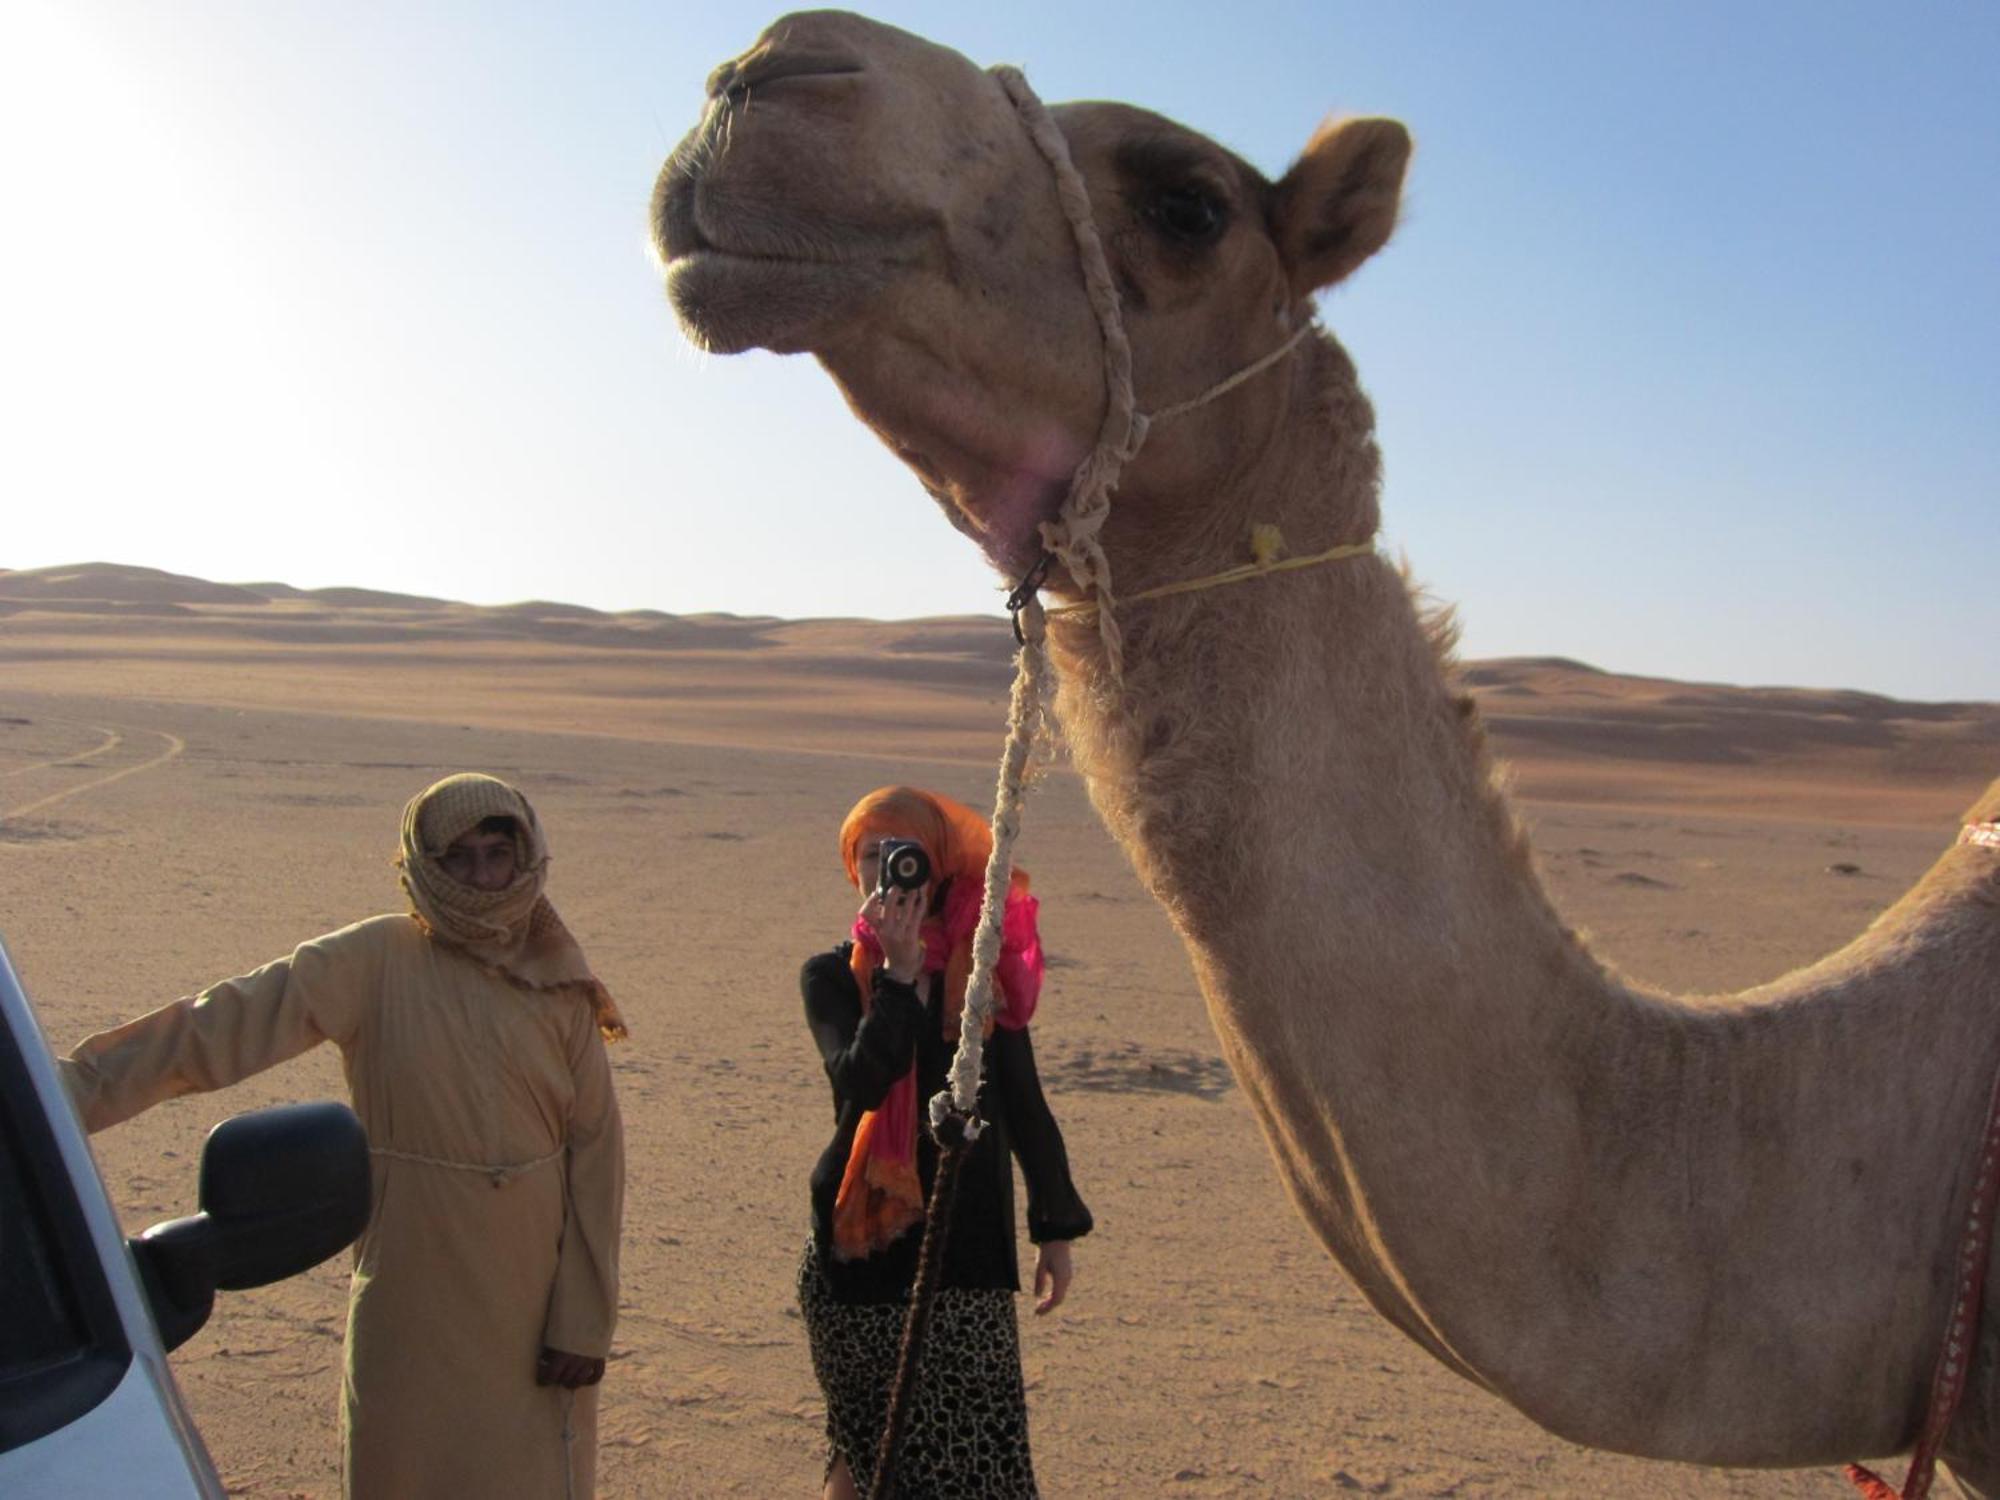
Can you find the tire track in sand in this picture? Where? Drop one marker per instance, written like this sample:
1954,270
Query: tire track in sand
175,746
112,740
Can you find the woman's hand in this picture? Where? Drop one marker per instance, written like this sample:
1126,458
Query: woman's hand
558,1367
1053,1274
897,917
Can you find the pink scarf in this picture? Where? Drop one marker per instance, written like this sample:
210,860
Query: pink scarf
880,1194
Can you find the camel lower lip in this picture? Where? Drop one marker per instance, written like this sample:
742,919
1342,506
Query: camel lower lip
709,258
729,301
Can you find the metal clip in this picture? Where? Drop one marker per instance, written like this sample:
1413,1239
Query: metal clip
1025,591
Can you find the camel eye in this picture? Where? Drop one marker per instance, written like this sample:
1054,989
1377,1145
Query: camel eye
1192,214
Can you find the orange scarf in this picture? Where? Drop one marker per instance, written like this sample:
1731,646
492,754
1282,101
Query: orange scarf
880,1194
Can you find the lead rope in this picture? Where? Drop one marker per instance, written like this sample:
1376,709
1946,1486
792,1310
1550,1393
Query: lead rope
1948,1380
1072,540
954,1118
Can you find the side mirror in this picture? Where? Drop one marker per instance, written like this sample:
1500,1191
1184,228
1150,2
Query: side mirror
281,1190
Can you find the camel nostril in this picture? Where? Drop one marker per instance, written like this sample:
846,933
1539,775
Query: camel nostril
723,79
766,64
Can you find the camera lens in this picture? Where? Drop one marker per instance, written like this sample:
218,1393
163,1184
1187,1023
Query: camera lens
905,866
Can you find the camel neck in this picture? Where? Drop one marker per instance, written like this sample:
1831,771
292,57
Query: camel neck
1357,832
1539,1172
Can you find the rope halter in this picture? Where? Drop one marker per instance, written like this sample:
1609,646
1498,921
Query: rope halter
1072,538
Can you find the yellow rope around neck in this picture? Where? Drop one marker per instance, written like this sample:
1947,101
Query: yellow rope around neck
1264,541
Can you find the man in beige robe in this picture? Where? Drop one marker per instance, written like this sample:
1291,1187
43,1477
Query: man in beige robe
472,1034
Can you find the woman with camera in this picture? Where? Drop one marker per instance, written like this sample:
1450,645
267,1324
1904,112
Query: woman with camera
884,1010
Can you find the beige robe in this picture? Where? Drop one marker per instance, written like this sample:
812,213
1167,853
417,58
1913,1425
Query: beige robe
460,1279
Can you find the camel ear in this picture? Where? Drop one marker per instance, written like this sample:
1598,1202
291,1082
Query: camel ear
1337,205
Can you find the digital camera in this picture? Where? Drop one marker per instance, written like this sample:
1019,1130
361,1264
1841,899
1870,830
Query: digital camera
905,866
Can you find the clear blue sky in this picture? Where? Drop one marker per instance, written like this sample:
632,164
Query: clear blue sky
1687,356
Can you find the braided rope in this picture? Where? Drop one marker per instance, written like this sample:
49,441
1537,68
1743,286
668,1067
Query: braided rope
1027,727
1072,538
917,1325
954,1118
1073,535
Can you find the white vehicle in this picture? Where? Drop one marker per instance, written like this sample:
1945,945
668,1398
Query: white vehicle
88,1407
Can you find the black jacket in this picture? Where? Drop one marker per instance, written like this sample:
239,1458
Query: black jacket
863,1057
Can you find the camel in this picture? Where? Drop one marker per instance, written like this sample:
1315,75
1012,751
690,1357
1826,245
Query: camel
1712,1229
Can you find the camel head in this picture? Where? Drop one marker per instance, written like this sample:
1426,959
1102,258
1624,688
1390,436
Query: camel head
861,194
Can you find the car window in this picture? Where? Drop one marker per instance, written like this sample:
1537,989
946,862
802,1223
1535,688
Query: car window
63,1347
39,1321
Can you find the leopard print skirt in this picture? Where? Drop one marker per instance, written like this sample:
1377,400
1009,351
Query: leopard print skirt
968,1427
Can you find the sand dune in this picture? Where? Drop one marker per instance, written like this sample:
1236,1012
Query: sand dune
1572,730
194,776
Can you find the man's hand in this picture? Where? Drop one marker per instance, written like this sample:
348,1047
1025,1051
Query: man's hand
1053,1274
557,1367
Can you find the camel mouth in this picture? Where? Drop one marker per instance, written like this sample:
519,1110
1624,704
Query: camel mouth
711,259
708,222
740,78
729,301
743,269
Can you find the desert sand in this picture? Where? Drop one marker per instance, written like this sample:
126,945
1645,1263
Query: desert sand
194,777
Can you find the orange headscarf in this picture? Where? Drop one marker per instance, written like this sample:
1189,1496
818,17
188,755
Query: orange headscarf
880,1195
